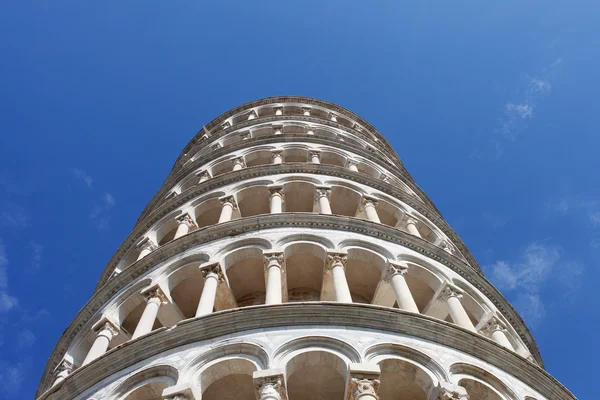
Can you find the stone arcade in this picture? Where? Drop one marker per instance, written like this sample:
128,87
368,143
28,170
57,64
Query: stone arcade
290,256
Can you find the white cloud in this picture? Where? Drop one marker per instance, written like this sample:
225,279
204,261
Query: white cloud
595,218
7,302
12,376
14,216
517,111
82,176
35,250
520,110
534,271
26,339
109,200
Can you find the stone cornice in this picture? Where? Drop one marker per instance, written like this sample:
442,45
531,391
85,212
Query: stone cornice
252,172
178,176
289,99
272,221
301,315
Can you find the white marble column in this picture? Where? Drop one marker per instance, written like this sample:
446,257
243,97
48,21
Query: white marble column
106,331
213,274
277,156
273,265
227,207
395,276
238,163
64,369
323,194
275,199
251,115
154,299
269,385
185,224
336,262
203,176
333,117
146,247
278,110
411,226
352,165
452,296
370,204
315,157
496,330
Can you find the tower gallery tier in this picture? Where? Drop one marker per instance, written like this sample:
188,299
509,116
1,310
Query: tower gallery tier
289,255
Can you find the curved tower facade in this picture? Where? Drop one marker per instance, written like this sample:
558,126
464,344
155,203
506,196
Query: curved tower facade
290,255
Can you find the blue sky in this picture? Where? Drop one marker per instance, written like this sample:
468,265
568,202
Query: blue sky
492,106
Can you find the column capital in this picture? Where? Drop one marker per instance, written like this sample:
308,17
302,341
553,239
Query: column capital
275,190
252,114
106,324
306,111
322,191
351,162
213,269
276,153
314,153
409,219
279,110
64,368
451,290
247,135
238,160
228,199
447,246
270,385
363,381
366,199
171,195
450,391
333,117
357,127
395,268
155,294
278,129
273,256
203,174
225,125
310,130
146,244
336,258
186,219
178,392
492,325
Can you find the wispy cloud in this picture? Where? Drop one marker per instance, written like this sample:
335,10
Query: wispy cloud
12,376
517,112
493,220
100,211
35,250
26,339
7,302
83,177
14,216
527,277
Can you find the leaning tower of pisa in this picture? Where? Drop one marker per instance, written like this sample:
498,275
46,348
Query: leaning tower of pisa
289,255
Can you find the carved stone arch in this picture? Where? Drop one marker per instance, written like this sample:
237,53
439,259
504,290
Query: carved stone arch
345,184
379,352
260,243
379,250
462,371
435,275
294,146
206,196
298,178
306,238
249,150
338,347
251,183
166,374
251,352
